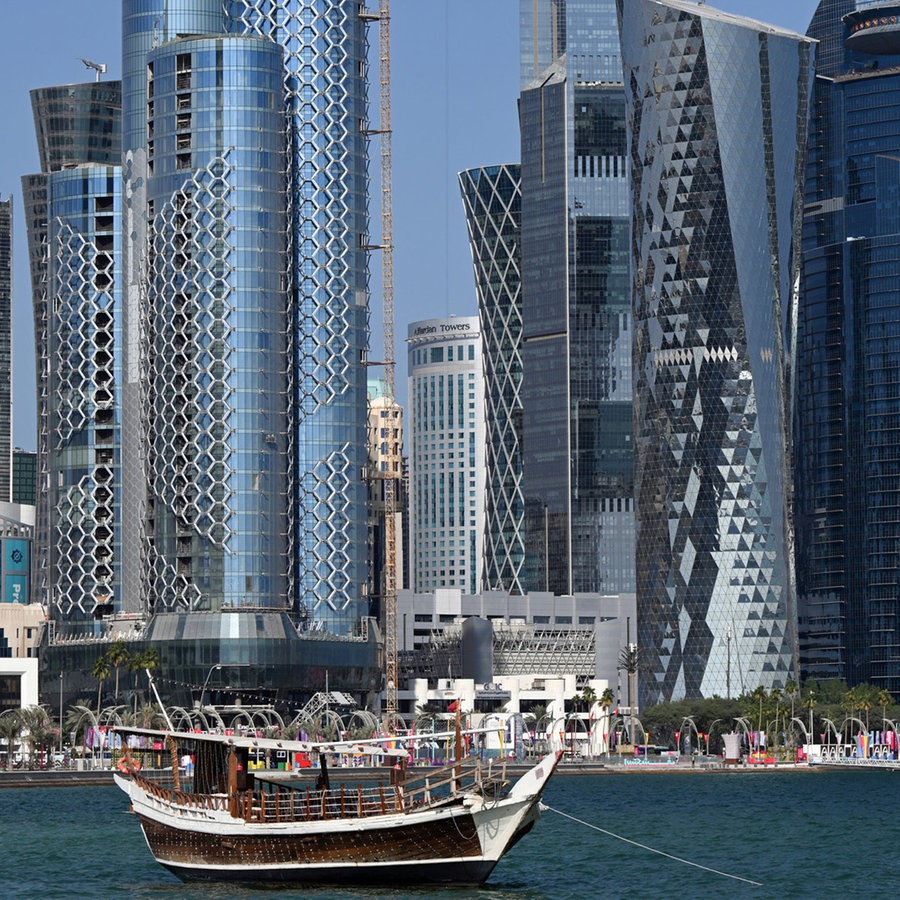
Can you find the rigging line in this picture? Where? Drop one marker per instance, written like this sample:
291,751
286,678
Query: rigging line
619,837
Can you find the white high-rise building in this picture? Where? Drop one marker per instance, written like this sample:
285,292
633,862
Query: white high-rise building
446,453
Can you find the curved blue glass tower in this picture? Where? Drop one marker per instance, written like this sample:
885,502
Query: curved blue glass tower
325,75
84,376
75,125
217,397
323,93
145,24
718,112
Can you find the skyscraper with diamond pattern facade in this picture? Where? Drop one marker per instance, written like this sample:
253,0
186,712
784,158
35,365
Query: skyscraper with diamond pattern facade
717,120
205,327
492,197
325,77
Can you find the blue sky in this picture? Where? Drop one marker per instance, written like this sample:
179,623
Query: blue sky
455,75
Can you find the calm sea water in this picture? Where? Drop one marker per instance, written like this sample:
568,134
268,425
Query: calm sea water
801,834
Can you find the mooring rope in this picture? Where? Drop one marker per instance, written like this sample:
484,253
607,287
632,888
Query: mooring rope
619,837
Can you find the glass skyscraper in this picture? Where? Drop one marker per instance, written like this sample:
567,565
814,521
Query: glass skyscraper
492,197
216,326
847,449
83,325
146,24
320,285
718,115
576,308
325,81
78,130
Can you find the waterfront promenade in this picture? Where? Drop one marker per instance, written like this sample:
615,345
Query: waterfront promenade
65,777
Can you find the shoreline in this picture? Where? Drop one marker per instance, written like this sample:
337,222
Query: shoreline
38,778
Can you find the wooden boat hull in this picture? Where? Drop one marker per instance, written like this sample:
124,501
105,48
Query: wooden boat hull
333,856
459,843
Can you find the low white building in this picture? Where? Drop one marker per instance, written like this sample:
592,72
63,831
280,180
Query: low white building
519,716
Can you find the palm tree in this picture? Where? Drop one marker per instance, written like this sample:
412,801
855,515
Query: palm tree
136,662
118,655
775,697
588,697
150,716
38,728
810,704
10,729
790,690
607,698
885,699
75,722
100,671
867,696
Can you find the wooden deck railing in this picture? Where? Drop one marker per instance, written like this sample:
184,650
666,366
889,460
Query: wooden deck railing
285,803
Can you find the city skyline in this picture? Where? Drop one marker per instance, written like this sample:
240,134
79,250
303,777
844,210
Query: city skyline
173,361
469,120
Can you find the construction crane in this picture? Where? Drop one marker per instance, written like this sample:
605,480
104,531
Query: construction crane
390,476
387,300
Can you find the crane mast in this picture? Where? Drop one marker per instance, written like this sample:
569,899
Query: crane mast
392,468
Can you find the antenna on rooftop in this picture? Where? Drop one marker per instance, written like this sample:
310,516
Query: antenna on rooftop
99,68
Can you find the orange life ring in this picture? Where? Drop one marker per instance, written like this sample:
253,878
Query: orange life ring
128,767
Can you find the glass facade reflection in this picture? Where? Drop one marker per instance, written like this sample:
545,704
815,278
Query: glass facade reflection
75,124
718,110
323,91
492,197
847,452
216,325
263,660
84,367
146,24
576,308
325,82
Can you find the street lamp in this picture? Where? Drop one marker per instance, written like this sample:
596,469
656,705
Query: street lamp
812,703
709,734
214,668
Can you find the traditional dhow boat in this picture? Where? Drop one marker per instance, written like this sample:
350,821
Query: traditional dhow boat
216,820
